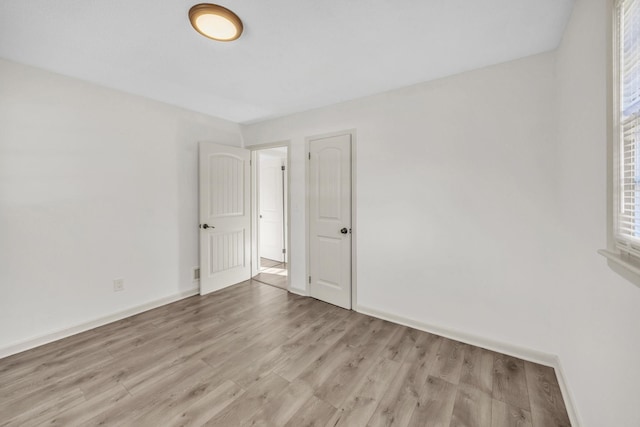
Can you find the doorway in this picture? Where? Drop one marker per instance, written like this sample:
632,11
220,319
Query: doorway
270,167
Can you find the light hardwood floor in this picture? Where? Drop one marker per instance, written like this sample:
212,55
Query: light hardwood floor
254,355
272,273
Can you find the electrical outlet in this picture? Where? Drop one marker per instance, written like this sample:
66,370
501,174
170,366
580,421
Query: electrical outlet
118,285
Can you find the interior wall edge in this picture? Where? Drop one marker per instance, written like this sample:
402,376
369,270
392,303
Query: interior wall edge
529,354
92,324
567,393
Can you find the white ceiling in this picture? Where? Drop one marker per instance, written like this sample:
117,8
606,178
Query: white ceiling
294,54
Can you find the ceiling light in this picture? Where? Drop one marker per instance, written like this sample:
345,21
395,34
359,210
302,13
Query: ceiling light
215,22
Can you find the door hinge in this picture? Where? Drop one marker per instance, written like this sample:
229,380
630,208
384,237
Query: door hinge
309,155
309,279
282,167
284,251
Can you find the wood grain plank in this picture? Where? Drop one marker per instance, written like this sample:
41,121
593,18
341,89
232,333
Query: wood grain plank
131,409
208,406
435,404
396,407
449,359
55,377
178,399
477,369
547,406
425,350
323,367
509,381
53,380
39,412
338,380
315,316
83,412
254,362
397,404
402,341
472,408
314,413
378,333
319,342
362,403
505,415
284,406
260,394
346,375
299,365
245,374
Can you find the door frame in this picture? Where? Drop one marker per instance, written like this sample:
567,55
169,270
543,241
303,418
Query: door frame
255,261
354,228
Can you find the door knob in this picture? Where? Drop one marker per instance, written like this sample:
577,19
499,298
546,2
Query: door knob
344,230
205,226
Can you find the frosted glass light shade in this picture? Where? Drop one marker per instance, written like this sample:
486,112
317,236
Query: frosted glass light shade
215,22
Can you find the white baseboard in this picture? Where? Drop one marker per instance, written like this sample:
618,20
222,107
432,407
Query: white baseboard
567,395
524,353
478,341
47,338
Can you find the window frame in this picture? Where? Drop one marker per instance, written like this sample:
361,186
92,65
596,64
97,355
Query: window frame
620,258
623,243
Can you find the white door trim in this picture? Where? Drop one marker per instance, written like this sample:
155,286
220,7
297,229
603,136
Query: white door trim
255,261
354,228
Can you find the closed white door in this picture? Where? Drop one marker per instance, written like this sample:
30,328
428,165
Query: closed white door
330,220
271,207
225,219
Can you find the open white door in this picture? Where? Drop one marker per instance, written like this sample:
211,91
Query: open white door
225,237
330,219
271,207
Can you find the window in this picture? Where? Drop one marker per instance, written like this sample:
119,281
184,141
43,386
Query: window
627,122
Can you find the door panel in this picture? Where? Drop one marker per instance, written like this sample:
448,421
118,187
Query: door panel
328,263
329,175
226,251
224,208
226,196
329,213
271,207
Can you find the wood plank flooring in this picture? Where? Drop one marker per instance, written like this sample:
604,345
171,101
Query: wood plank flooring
272,273
254,355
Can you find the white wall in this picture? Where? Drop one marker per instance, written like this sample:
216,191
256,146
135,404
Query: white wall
601,329
481,204
95,184
455,199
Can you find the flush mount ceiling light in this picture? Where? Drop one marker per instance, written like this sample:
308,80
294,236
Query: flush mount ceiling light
215,22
